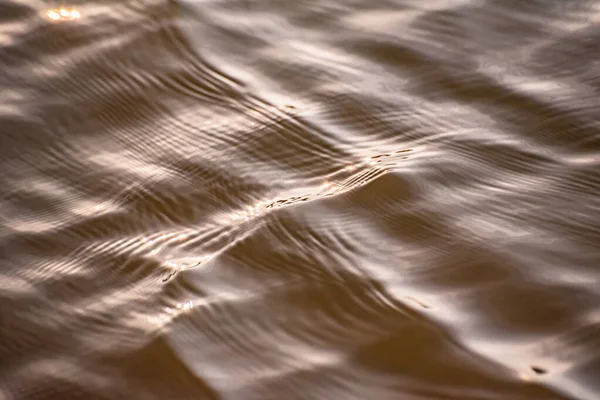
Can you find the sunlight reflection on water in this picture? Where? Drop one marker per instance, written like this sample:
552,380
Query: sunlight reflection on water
63,14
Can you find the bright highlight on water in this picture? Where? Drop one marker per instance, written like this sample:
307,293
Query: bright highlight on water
62,14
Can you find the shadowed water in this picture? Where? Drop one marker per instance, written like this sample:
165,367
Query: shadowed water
259,199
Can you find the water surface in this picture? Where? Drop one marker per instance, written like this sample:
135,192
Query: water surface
340,199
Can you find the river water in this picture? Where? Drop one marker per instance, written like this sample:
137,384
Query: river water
332,199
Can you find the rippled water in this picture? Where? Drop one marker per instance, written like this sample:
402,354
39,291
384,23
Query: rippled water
259,199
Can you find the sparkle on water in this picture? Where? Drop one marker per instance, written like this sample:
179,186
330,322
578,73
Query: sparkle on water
63,14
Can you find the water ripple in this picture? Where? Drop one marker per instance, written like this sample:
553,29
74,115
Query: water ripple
318,200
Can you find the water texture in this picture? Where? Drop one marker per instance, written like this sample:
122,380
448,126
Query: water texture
333,199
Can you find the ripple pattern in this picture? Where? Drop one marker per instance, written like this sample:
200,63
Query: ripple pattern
254,200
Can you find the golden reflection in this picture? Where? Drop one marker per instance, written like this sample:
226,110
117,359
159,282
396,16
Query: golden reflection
53,15
524,377
63,14
327,188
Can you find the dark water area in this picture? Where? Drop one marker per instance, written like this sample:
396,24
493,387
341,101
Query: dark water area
334,199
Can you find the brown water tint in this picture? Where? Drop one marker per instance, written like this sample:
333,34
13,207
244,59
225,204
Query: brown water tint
259,199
